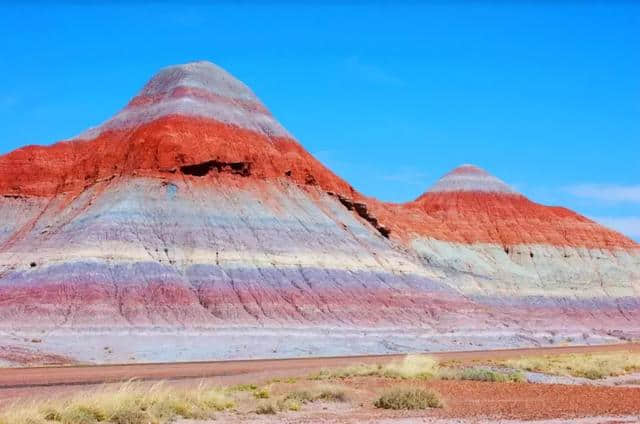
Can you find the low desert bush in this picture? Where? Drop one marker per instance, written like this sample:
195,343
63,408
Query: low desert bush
243,388
267,408
281,404
481,374
325,393
262,393
360,370
409,398
593,366
289,405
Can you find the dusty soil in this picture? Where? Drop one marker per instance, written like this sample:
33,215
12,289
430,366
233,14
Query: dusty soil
95,374
469,402
465,401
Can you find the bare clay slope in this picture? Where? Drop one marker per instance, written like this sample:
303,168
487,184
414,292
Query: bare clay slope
193,219
540,263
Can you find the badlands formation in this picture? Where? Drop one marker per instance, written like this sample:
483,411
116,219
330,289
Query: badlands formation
193,226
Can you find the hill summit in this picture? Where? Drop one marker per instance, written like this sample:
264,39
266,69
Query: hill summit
189,119
470,178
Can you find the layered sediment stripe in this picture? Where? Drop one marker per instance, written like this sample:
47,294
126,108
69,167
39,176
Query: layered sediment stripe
147,293
470,206
199,94
194,207
159,148
470,178
197,89
535,271
221,111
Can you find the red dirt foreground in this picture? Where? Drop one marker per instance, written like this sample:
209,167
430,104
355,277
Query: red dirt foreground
521,401
467,400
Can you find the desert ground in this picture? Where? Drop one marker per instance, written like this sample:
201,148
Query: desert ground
590,384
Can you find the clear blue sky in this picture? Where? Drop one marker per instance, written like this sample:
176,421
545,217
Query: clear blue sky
546,97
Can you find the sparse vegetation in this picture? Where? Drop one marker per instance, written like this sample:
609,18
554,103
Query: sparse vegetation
243,388
592,366
481,374
293,401
419,367
262,393
267,408
412,366
409,398
290,405
140,403
325,393
131,403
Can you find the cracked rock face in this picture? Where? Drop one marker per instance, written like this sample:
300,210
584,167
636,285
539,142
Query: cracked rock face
193,208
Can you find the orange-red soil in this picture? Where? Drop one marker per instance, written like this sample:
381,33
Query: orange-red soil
463,399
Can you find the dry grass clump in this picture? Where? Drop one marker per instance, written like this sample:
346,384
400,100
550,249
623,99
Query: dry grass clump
409,398
267,408
131,403
589,365
282,404
294,400
262,393
482,374
324,393
243,388
412,366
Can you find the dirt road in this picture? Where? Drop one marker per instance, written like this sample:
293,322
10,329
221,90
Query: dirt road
12,378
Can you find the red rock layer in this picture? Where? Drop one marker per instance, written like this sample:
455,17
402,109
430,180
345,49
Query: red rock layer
160,148
503,219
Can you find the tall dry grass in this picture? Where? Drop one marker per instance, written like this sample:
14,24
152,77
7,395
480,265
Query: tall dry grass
422,367
589,365
412,366
130,403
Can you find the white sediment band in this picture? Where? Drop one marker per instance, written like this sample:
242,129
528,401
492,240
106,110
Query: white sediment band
186,106
127,253
471,178
203,76
540,270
